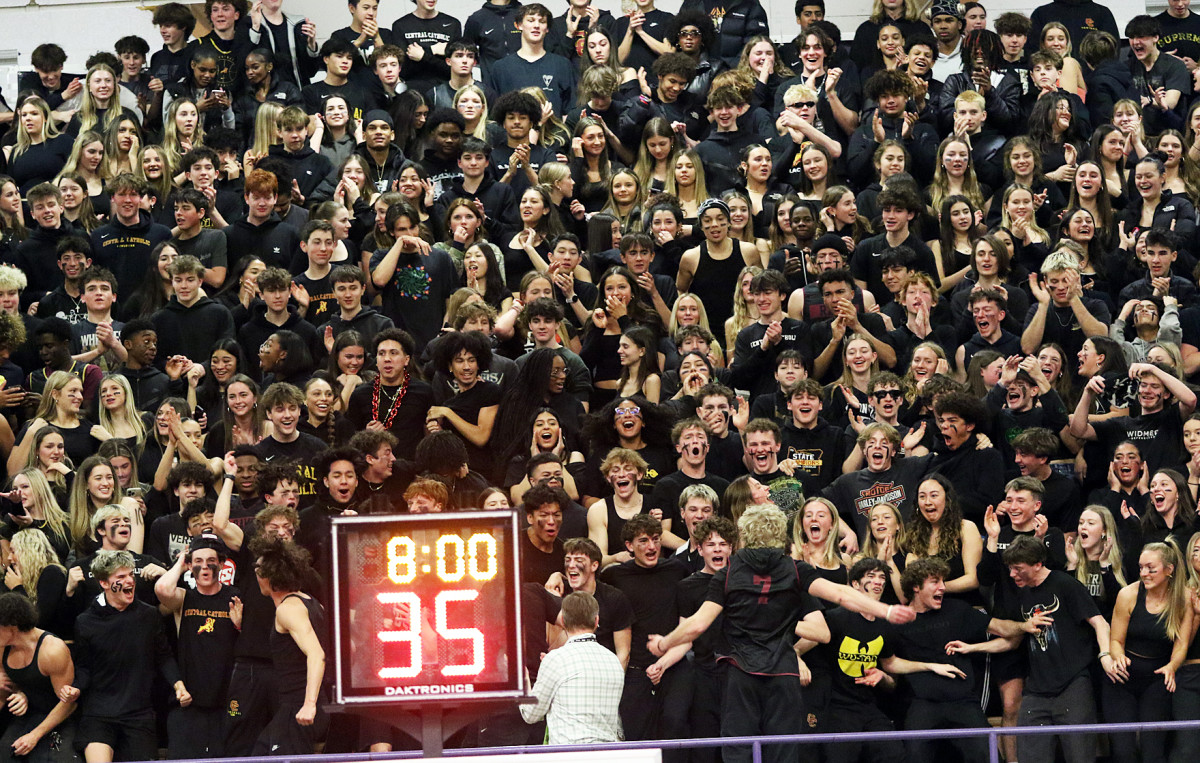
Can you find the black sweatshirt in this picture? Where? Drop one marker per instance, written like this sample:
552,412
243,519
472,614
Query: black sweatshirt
115,653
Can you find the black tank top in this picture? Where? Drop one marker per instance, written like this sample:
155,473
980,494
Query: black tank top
289,661
714,282
616,523
29,679
1147,635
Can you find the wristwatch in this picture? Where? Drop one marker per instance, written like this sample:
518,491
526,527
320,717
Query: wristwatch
572,299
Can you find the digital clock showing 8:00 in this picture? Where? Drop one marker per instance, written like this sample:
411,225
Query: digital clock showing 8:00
427,607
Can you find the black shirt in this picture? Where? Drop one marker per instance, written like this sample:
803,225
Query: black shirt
409,422
651,593
301,452
1159,436
763,593
1065,649
925,639
536,565
856,645
668,489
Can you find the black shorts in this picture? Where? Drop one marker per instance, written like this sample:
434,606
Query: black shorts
1009,665
132,737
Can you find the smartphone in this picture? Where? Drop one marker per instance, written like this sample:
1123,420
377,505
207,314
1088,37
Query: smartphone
135,492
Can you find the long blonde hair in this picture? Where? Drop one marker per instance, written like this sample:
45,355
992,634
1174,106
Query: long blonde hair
162,186
912,11
869,547
170,134
1085,568
44,501
554,132
34,554
939,189
129,410
266,126
88,110
48,408
741,308
82,507
847,377
1006,221
86,138
1177,594
480,130
783,70
701,184
830,555
49,130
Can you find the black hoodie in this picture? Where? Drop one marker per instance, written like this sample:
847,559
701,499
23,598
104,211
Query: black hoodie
35,258
254,332
151,386
114,653
127,250
308,167
1106,84
499,203
192,331
274,242
493,30
368,323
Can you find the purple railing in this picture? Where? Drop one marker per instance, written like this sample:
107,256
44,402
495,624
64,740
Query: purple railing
756,743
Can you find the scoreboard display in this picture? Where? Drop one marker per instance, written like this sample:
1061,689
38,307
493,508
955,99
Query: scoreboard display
428,608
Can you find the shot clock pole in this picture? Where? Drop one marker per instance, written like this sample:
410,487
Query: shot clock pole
427,632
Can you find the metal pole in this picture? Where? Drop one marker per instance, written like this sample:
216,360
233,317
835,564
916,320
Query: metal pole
756,752
431,731
994,744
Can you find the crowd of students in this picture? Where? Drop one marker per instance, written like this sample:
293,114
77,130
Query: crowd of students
929,292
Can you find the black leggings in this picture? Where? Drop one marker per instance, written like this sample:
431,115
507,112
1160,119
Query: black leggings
1142,699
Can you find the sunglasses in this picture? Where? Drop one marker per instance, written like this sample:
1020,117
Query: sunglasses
803,104
689,33
894,394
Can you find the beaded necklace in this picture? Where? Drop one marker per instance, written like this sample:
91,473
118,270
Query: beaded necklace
399,399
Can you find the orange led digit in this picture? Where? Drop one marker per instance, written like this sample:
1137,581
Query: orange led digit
474,635
402,560
406,608
489,556
460,569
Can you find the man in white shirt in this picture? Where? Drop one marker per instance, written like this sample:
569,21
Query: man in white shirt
579,685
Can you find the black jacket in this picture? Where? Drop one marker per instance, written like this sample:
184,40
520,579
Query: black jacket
499,203
737,22
493,30
368,322
245,106
115,654
1003,103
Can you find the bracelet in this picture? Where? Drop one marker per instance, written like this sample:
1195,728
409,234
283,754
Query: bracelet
888,616
230,476
1104,654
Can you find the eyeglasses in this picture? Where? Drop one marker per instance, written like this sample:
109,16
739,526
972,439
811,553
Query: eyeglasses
689,33
627,412
894,394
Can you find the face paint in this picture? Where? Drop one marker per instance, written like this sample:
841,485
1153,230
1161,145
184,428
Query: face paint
122,587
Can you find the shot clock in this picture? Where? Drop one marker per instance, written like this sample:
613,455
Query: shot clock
428,608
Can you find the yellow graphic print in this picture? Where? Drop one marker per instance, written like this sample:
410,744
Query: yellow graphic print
209,624
855,658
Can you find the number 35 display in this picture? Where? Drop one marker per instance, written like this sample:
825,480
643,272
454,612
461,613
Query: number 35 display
428,607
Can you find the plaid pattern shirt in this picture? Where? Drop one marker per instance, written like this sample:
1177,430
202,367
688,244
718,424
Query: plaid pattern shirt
578,691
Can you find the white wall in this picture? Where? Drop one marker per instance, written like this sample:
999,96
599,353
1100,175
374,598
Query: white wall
82,27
